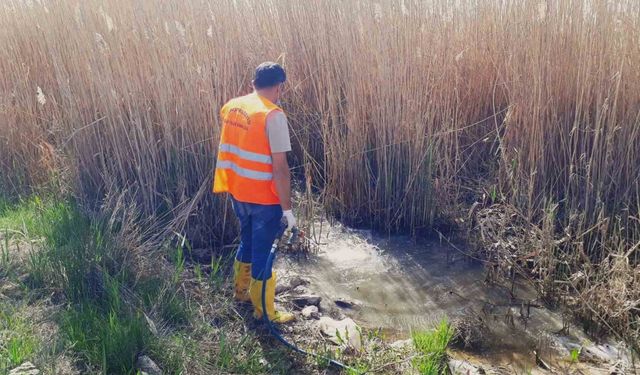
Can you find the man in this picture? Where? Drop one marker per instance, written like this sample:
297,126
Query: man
252,167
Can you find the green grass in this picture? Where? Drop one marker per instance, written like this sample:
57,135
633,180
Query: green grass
5,254
21,216
575,355
102,322
175,350
432,349
160,296
104,328
110,339
18,342
240,356
80,258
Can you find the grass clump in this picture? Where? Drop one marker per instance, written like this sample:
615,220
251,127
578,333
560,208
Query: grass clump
81,261
110,339
432,349
18,342
110,309
20,217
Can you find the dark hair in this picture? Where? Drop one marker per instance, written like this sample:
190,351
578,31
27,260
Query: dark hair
269,74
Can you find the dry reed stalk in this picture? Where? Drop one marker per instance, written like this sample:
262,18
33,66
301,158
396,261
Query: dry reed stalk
394,106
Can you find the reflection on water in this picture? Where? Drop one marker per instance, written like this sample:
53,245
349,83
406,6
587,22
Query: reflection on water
401,286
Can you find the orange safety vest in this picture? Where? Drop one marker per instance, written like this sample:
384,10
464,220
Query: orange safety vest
244,166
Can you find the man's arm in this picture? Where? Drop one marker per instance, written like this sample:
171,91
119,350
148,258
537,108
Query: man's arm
282,179
278,133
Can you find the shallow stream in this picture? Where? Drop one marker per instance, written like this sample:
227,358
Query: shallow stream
400,285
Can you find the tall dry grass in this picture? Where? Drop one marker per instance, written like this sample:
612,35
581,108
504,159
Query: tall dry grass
399,110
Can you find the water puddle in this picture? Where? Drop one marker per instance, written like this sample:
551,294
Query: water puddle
399,285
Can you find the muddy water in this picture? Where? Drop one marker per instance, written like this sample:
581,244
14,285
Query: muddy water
399,285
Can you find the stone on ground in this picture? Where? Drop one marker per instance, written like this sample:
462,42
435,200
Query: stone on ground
343,332
310,312
291,284
26,368
346,304
146,365
306,300
459,367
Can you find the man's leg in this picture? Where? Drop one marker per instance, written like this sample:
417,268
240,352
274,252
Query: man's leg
242,263
265,227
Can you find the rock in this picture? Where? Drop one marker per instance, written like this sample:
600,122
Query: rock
300,289
145,364
306,300
346,304
344,332
330,309
459,367
26,368
295,282
324,306
311,312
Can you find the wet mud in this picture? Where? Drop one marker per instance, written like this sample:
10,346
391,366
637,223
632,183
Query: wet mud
399,285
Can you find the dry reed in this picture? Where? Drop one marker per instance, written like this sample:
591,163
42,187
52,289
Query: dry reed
397,108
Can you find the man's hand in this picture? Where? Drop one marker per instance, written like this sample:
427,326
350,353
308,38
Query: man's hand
291,220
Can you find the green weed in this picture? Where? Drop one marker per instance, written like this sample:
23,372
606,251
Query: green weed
20,216
111,338
217,266
19,349
79,257
4,253
98,324
179,259
575,355
17,340
197,269
173,352
325,354
38,266
158,295
432,348
241,356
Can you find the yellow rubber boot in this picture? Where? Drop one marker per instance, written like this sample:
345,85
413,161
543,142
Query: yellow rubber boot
241,281
255,290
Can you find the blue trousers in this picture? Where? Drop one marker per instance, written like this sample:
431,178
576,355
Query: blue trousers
259,226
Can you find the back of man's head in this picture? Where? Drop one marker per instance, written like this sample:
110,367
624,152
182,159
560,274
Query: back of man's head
269,74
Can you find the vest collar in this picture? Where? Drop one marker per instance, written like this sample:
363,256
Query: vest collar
264,99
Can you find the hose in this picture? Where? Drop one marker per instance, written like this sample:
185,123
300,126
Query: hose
272,329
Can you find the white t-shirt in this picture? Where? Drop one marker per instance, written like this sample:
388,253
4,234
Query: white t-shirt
278,132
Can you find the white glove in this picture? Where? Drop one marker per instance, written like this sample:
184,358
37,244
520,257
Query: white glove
291,220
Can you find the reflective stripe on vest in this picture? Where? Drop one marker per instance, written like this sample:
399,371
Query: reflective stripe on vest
244,172
248,155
